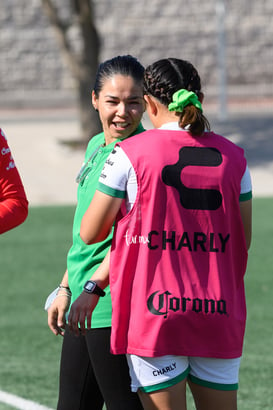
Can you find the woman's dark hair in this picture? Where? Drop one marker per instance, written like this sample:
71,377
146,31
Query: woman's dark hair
164,77
124,65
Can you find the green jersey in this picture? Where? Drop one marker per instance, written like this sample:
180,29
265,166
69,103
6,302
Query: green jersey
83,260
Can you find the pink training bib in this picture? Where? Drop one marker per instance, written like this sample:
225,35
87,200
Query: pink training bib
179,257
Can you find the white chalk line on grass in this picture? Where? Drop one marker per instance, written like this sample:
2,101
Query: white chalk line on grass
19,403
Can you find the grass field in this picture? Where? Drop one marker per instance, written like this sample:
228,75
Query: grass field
33,259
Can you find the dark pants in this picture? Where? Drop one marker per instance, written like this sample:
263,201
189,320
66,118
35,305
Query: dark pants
91,376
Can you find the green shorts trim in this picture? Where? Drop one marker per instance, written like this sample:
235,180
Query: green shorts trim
212,385
167,383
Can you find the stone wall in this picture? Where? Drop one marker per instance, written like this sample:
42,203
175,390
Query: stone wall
32,71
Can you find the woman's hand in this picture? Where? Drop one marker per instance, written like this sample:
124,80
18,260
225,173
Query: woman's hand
81,312
56,313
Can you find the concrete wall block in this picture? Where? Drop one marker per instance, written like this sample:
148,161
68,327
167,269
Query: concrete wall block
30,57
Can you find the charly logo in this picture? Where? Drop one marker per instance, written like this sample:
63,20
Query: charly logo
161,304
191,198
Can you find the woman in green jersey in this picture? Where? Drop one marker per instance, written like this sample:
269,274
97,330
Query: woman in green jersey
89,374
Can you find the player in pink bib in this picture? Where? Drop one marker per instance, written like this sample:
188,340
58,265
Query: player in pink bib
179,252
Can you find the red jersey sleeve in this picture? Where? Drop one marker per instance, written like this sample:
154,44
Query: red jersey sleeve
13,200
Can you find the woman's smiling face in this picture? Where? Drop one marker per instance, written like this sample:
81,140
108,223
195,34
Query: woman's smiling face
120,105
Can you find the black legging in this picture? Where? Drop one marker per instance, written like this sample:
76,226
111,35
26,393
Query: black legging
91,376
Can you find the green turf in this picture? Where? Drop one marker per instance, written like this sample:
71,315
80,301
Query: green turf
32,263
257,365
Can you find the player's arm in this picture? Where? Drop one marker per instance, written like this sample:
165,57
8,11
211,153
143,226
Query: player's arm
246,215
246,205
98,220
101,213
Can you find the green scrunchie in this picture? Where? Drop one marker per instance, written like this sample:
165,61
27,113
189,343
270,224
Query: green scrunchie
182,98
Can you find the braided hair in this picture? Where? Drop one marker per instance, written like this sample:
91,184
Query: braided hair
164,77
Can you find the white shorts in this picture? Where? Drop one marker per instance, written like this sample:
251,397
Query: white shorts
155,373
